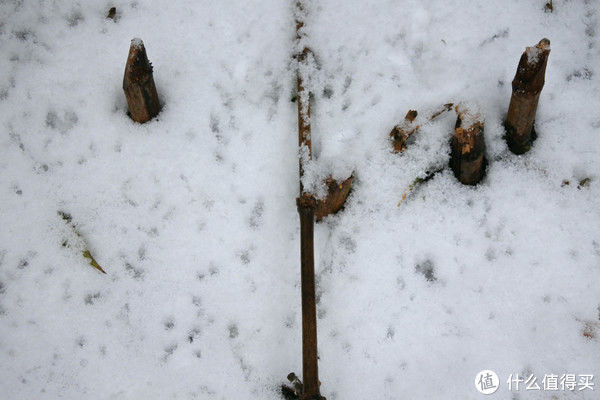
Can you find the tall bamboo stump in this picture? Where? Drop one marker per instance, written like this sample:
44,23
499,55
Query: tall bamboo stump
138,84
526,89
467,156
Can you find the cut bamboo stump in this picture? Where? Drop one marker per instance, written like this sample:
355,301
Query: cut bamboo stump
526,88
467,155
138,84
402,134
403,131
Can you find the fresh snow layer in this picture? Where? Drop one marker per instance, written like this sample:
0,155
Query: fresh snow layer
193,214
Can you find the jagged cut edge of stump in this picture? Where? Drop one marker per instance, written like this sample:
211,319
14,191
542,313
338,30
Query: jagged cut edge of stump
467,157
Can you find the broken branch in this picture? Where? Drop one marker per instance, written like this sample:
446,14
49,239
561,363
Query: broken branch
404,131
85,252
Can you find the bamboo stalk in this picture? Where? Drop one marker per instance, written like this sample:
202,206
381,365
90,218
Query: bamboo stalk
138,84
304,137
467,153
306,204
526,88
310,369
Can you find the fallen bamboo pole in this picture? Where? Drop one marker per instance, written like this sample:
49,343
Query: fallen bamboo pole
526,88
306,204
310,369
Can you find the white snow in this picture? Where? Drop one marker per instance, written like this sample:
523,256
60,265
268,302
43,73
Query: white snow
137,43
533,54
193,214
470,113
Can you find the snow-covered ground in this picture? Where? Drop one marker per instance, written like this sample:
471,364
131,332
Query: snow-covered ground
193,214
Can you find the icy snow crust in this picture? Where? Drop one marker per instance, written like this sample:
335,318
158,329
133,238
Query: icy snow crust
193,214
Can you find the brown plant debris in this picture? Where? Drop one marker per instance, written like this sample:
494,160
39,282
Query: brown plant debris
337,193
402,133
417,182
79,242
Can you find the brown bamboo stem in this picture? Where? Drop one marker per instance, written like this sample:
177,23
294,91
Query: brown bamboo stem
526,88
467,155
310,370
303,100
138,84
306,204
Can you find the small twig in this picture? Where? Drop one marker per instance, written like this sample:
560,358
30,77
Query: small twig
85,252
585,182
446,107
417,182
